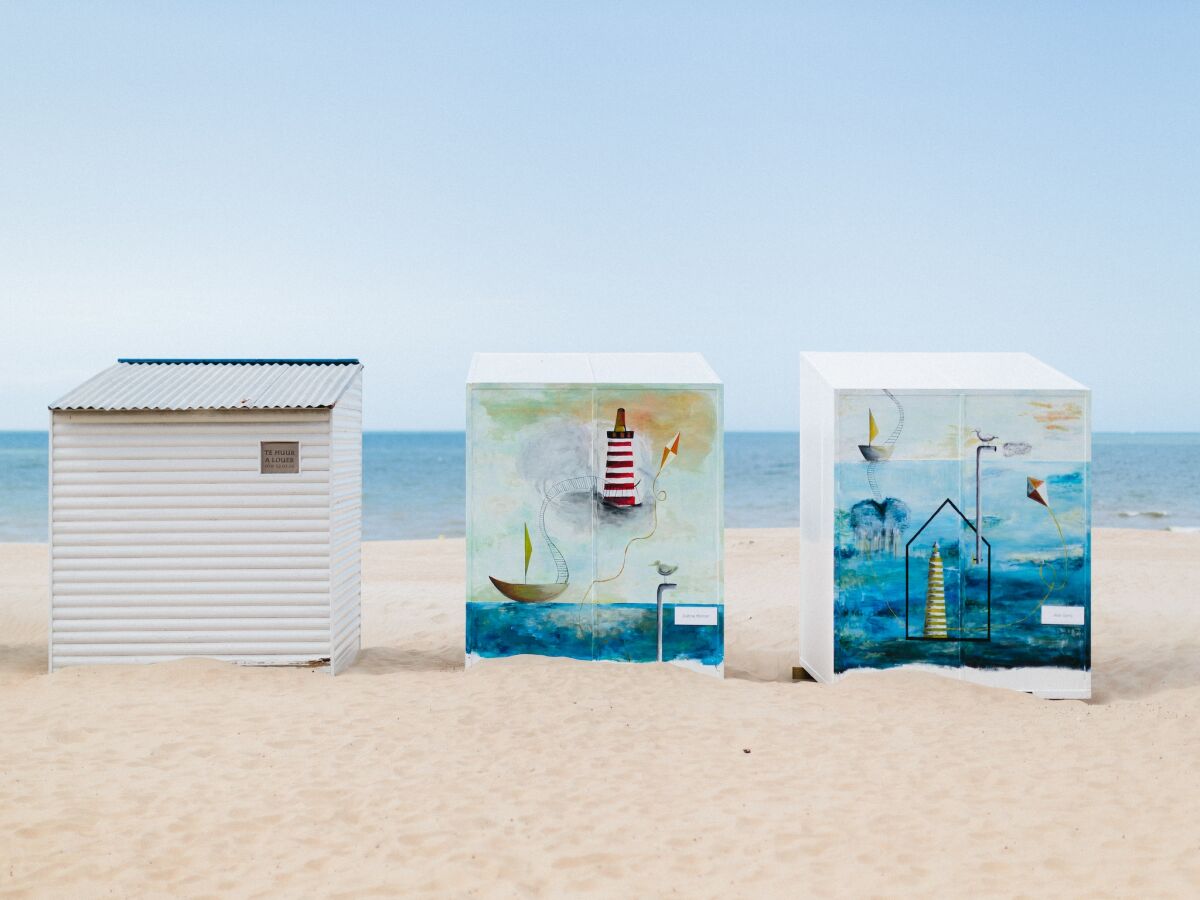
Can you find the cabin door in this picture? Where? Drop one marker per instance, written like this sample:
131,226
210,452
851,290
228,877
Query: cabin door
1024,471
944,572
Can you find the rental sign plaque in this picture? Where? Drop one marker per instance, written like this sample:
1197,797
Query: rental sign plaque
279,458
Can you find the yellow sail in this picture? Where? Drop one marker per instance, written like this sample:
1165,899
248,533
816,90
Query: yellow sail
528,551
874,430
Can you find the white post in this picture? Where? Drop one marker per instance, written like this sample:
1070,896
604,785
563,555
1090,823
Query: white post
978,512
662,587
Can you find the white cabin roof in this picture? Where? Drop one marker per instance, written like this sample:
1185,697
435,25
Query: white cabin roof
939,371
175,385
591,368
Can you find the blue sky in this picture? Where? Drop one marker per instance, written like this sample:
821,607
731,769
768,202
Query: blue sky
410,184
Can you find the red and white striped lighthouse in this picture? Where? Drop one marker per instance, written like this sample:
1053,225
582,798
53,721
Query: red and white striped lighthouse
620,475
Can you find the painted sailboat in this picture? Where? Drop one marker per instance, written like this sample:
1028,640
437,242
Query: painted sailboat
618,489
871,451
524,592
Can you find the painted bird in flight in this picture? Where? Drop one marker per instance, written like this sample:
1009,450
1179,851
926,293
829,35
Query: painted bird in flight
663,569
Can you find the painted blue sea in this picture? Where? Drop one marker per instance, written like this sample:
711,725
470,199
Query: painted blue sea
1032,555
414,486
622,632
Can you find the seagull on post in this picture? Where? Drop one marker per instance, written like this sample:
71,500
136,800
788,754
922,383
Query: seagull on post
664,569
984,438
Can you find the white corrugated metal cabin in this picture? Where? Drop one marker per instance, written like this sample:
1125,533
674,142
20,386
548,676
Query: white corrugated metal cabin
207,508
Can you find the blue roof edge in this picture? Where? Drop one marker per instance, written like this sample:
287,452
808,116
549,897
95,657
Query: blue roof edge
240,362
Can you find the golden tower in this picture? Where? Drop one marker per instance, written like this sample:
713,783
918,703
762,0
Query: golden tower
935,597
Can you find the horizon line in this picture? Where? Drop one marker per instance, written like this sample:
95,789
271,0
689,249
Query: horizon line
727,431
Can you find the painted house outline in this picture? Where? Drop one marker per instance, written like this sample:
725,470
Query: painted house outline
908,579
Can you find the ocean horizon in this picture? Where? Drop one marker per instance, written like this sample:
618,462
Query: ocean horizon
414,482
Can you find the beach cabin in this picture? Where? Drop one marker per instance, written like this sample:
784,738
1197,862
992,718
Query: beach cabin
209,508
945,513
594,508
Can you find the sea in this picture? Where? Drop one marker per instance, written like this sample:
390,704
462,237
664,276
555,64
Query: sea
414,484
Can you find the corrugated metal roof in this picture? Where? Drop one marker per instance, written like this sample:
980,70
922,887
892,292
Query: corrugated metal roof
213,384
244,361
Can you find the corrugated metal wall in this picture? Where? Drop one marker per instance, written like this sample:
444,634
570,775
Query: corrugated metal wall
345,527
167,542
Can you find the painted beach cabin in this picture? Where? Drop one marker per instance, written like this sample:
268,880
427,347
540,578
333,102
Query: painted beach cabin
945,518
207,508
594,508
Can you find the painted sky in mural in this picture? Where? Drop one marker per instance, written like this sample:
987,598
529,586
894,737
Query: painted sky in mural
527,444
940,425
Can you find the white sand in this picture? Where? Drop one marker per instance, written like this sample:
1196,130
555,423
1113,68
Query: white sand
547,777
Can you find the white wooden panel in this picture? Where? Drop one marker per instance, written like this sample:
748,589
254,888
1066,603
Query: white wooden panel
95,435
155,614
231,449
82,535
345,528
273,586
83,604
211,518
203,579
167,541
142,658
159,549
141,633
816,523
117,651
88,469
198,421
189,504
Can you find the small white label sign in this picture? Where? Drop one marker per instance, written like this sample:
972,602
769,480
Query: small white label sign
1062,615
695,615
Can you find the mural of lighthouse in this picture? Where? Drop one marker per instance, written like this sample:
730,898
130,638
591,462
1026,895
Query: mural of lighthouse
620,475
579,497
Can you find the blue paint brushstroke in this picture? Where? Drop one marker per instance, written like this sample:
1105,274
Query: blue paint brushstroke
869,608
621,632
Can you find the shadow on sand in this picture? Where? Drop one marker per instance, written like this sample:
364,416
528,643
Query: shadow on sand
27,660
1174,667
389,660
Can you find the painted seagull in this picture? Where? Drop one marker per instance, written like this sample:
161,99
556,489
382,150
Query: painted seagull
984,438
663,569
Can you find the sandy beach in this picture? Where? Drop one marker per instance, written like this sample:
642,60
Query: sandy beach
537,777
